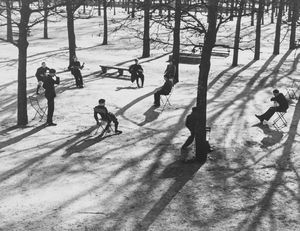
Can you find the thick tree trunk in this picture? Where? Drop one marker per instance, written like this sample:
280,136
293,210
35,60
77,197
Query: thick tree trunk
176,40
71,32
104,22
237,34
133,9
209,42
295,11
278,29
258,30
22,65
9,35
146,37
46,12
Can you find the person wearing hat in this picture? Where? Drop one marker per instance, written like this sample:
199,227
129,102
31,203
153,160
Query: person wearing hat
40,75
50,94
281,105
105,115
136,72
76,68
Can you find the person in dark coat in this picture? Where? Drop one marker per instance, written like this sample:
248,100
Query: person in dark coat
164,90
190,123
50,94
105,115
40,75
170,71
282,106
136,72
76,68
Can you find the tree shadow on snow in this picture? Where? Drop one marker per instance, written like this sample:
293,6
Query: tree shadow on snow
150,115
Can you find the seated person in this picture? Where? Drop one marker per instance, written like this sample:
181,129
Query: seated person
105,115
170,70
282,106
136,72
163,90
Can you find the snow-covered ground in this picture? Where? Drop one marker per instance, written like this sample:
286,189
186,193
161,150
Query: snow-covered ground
68,178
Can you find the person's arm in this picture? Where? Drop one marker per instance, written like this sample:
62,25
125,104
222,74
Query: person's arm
82,66
96,116
57,81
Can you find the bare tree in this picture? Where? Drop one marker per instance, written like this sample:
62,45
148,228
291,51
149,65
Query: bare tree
278,28
146,36
258,29
176,39
104,22
295,16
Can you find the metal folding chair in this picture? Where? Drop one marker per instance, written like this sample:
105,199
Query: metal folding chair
280,122
165,100
291,91
40,109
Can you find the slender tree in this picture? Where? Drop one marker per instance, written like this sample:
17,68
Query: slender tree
146,36
9,35
46,12
209,42
176,39
258,30
104,22
71,31
237,34
295,16
278,28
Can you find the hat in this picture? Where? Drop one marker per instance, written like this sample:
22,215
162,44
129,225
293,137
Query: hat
101,101
53,71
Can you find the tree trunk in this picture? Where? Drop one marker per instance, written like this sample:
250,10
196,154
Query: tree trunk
133,9
273,10
104,22
295,11
258,30
231,9
146,37
237,34
278,28
99,7
176,39
22,64
46,12
209,42
252,12
71,32
9,35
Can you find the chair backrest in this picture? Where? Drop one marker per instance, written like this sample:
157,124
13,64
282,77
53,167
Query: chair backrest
103,113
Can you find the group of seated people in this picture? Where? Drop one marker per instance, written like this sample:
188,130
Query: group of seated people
136,71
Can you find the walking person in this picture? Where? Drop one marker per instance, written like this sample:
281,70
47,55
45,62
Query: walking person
136,72
50,94
76,68
282,106
40,75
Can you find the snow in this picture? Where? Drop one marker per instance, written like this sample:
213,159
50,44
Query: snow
68,178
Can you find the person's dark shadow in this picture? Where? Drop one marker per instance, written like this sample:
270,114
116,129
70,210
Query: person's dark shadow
273,136
150,115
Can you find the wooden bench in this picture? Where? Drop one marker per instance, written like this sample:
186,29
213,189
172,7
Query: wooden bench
221,51
120,69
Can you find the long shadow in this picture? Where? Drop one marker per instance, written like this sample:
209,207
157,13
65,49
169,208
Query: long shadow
20,137
21,167
182,173
150,115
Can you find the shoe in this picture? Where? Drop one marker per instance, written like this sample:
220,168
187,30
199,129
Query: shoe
118,132
80,86
51,124
156,105
259,117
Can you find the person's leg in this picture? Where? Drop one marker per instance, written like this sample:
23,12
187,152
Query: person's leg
80,81
142,79
189,140
269,113
114,119
76,79
50,110
157,98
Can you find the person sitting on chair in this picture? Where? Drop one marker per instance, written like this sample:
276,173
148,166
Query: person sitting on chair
136,72
40,75
170,71
163,90
283,105
105,115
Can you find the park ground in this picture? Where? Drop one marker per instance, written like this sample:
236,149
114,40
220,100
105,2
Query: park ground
68,178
